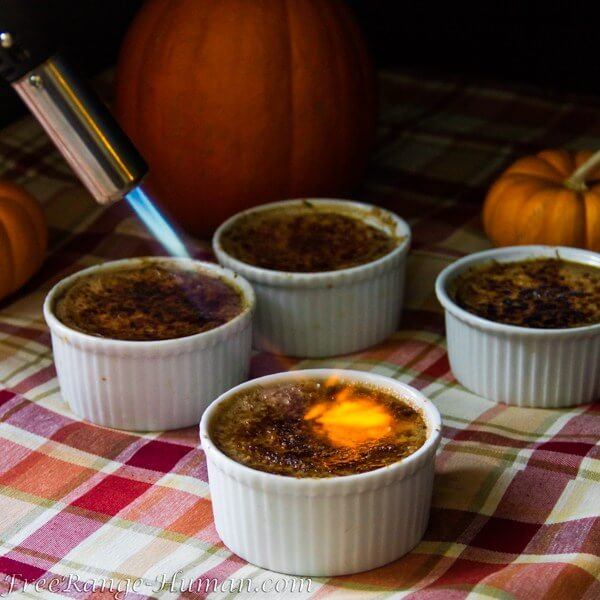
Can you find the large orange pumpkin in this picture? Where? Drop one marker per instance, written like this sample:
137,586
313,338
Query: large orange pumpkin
542,200
239,102
23,237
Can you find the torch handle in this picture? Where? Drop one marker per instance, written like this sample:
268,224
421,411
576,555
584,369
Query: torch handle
83,129
74,117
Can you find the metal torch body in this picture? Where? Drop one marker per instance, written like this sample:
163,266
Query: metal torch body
83,129
73,116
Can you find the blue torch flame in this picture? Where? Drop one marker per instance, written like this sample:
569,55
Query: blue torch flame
156,223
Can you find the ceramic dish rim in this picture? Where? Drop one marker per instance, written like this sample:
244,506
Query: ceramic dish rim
273,276
214,334
395,471
514,254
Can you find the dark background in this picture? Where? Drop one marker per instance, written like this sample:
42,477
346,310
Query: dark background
548,44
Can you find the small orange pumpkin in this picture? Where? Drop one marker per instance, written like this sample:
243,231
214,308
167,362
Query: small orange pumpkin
550,198
23,237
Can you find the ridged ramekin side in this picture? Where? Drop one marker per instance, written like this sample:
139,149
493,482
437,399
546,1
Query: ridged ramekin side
329,321
528,371
326,313
130,391
521,366
150,385
321,535
324,526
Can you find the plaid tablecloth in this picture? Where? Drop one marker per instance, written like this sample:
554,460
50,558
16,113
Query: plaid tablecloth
517,494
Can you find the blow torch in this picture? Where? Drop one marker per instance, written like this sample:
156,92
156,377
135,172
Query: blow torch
73,116
77,121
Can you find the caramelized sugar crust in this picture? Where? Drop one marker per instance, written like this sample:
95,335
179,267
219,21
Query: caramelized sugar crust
305,240
272,429
540,293
148,303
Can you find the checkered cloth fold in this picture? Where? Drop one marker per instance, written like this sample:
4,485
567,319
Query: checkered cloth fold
516,498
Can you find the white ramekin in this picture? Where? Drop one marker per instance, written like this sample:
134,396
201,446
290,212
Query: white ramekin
330,313
330,526
150,385
545,368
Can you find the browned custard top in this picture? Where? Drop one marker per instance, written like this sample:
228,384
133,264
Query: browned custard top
148,303
305,240
539,293
316,429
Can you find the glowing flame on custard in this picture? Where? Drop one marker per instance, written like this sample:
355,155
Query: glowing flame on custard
350,419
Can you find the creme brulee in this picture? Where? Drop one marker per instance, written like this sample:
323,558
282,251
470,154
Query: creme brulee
305,239
545,293
148,303
316,429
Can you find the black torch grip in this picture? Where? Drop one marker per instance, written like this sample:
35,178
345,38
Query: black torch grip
23,45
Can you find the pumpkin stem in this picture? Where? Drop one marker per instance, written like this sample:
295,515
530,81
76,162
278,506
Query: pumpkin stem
576,181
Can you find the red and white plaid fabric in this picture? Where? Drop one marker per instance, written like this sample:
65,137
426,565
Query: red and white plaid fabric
517,495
